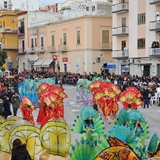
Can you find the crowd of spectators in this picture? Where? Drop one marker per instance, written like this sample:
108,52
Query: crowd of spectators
123,81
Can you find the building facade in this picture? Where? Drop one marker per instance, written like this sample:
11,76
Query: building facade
8,37
73,45
134,30
23,5
70,40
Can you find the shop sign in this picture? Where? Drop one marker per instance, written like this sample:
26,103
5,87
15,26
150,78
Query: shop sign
10,64
65,59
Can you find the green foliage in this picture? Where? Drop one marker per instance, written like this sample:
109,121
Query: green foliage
3,57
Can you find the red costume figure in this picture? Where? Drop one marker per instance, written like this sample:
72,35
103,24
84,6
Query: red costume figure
40,114
27,114
59,111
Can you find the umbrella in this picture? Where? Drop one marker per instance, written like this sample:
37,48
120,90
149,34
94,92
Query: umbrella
95,84
25,101
87,112
153,144
4,135
42,87
55,136
28,134
14,118
1,120
135,90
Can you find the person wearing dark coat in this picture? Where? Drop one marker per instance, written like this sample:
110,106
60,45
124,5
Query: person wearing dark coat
19,151
6,105
10,94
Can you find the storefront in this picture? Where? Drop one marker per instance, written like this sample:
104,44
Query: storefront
124,69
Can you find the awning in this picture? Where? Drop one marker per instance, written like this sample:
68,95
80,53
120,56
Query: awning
47,62
39,62
145,64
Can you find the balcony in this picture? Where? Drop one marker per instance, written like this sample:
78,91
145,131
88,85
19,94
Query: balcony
21,31
51,49
154,2
21,51
154,26
8,30
120,31
105,46
120,7
120,54
63,48
10,46
40,49
154,52
31,50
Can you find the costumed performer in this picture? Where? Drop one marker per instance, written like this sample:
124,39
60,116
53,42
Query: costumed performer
89,123
27,113
80,93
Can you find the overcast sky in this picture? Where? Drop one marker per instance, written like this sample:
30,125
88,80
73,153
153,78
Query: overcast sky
46,2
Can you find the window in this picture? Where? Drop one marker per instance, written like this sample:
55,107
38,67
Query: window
64,38
78,37
35,41
5,6
123,44
124,22
141,43
53,40
142,18
23,45
87,8
23,66
5,2
105,36
93,8
42,42
32,42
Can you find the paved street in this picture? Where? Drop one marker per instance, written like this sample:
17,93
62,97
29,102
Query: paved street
72,109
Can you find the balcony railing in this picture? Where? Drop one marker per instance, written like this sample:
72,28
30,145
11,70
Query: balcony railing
21,51
8,30
154,1
105,46
40,49
10,46
154,26
120,31
63,48
51,49
154,52
31,50
120,7
120,54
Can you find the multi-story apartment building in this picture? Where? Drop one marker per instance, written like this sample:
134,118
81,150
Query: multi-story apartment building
71,40
8,36
135,27
23,5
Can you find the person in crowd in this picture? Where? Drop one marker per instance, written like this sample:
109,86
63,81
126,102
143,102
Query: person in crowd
15,103
19,151
6,105
158,93
157,18
146,96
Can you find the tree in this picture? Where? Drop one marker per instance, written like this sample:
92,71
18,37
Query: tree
3,57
